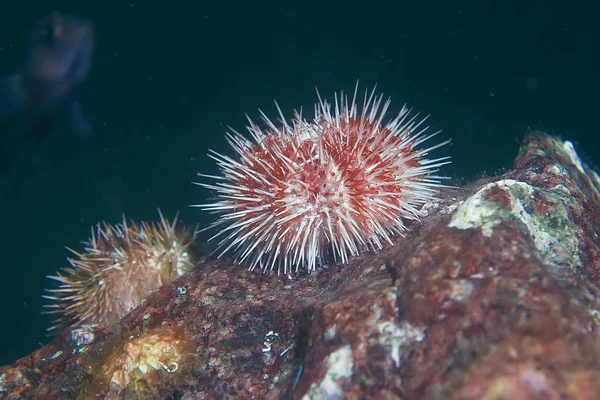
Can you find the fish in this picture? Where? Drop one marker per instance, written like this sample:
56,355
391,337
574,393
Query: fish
57,62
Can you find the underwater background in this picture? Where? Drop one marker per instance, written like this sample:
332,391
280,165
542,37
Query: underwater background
168,77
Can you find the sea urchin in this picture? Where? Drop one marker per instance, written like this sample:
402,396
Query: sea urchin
121,266
305,190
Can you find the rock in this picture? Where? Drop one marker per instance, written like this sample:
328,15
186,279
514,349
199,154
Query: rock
494,295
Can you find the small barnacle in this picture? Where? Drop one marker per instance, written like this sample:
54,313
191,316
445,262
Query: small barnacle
171,368
83,335
270,337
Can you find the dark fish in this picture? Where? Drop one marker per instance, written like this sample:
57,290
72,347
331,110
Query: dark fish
57,61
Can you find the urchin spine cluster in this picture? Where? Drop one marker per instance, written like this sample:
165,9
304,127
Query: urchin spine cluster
120,266
302,190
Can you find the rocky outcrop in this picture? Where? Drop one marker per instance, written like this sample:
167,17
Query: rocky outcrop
494,295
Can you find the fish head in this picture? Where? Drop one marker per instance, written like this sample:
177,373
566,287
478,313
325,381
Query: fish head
60,53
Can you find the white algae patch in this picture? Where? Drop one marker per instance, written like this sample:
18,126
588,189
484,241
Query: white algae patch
394,337
461,290
330,333
575,160
553,233
476,212
339,366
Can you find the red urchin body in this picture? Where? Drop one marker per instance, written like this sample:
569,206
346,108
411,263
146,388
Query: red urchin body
344,181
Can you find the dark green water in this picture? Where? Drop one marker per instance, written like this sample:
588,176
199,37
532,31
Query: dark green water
167,78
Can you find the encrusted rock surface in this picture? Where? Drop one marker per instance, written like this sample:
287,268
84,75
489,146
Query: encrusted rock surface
493,296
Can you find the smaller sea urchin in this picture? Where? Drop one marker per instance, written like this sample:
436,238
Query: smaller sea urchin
120,266
303,190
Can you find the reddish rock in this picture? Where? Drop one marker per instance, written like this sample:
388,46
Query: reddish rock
493,296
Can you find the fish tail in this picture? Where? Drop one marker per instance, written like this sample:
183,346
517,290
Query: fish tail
13,95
